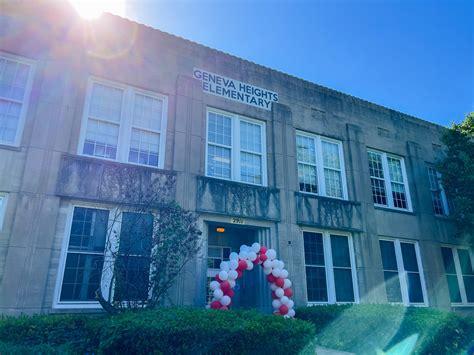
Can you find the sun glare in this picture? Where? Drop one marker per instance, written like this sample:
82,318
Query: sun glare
91,9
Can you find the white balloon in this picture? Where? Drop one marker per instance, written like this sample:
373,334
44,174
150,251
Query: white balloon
234,256
275,264
224,266
291,304
255,247
223,275
232,283
271,254
243,255
252,256
225,300
291,313
286,316
276,304
267,264
232,275
214,285
267,271
243,247
234,263
273,286
208,306
282,265
284,300
284,273
249,265
279,292
287,283
218,294
276,272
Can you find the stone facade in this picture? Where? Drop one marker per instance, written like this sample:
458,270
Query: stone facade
47,173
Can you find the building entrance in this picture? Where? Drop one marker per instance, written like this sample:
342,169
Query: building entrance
222,240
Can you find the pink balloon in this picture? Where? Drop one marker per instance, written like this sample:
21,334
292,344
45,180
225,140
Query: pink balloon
279,281
283,309
216,305
263,249
242,265
288,292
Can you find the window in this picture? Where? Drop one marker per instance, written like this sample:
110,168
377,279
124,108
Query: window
404,280
440,202
89,259
235,148
458,265
389,181
125,124
330,268
3,207
15,86
320,166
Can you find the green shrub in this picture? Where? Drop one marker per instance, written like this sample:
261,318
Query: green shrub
368,328
167,330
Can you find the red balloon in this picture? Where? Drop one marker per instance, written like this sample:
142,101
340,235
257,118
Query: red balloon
271,278
229,292
257,261
263,257
242,265
288,292
216,305
274,296
218,279
239,274
279,282
263,249
225,285
283,309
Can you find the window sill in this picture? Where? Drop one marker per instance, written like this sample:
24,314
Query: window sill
236,183
77,305
15,148
391,209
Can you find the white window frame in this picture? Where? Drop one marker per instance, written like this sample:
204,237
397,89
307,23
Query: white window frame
388,181
126,122
111,247
235,146
321,180
435,174
26,100
457,264
402,274
3,208
329,268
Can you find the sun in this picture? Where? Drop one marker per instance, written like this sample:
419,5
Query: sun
92,9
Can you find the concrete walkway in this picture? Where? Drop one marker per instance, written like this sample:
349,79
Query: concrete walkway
325,351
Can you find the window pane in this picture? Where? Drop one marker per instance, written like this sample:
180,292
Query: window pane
82,276
214,252
313,248
448,260
409,257
399,196
469,286
219,129
316,284
218,161
392,286
453,286
101,139
9,119
307,178
415,294
330,155
305,149
375,165
250,136
251,168
333,180
438,208
136,234
387,250
344,286
340,251
432,175
395,169
13,79
106,102
144,147
378,191
88,229
131,278
465,260
147,112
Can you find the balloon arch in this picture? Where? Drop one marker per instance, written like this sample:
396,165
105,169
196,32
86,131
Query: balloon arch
233,269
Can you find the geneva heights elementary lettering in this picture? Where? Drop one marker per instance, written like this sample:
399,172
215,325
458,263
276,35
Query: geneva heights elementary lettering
235,90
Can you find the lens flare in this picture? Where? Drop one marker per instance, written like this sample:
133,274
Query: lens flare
92,9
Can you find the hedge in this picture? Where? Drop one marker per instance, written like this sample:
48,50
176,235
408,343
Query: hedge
366,329
167,331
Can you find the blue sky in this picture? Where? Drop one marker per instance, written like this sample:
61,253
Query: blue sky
409,55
